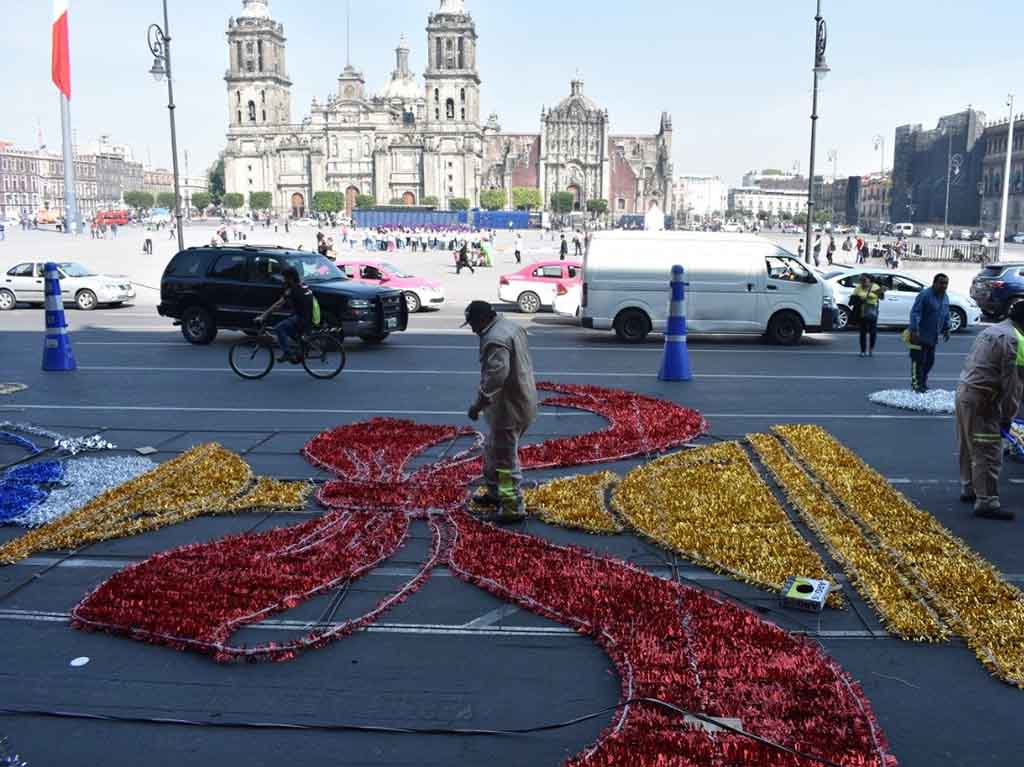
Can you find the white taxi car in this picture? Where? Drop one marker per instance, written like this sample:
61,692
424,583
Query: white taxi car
25,283
900,293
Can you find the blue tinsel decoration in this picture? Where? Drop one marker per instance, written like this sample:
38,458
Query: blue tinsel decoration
22,488
39,473
17,439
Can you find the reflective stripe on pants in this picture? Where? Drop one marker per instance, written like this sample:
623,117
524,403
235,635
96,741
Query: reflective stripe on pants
981,442
502,472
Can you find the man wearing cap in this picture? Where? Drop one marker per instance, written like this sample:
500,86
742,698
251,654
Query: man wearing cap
508,399
987,400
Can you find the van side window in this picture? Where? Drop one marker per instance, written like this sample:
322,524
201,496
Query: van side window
186,265
787,269
230,266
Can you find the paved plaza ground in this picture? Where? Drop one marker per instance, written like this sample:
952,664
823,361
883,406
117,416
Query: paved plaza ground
452,656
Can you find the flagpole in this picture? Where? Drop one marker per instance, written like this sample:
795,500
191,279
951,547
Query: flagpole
72,220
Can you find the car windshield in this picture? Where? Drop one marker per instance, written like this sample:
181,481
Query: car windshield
73,269
833,273
395,271
313,267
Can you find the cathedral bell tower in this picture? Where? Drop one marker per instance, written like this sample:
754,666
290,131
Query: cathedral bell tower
259,91
452,78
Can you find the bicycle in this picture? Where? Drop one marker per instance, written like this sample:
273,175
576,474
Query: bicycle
320,352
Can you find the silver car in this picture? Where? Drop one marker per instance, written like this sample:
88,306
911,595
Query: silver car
85,289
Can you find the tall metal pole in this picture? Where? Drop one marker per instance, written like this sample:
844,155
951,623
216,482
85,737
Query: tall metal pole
174,132
72,218
819,67
1006,184
949,178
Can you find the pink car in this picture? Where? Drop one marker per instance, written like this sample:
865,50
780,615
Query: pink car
419,292
536,285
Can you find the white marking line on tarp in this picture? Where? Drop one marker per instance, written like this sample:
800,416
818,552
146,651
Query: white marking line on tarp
290,411
552,373
492,617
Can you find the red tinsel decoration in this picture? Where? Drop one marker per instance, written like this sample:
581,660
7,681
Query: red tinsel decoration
666,640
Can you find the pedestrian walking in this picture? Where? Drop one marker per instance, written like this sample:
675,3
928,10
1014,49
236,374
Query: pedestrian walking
113,231
830,251
864,309
800,250
507,398
847,245
817,250
519,247
929,319
987,400
462,262
577,244
563,249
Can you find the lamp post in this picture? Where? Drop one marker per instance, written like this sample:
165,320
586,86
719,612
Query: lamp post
820,70
953,164
1006,183
159,39
880,144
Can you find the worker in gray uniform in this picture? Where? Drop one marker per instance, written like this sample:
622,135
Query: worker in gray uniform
507,398
987,400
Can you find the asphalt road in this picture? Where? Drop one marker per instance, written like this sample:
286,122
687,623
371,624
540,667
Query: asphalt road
450,656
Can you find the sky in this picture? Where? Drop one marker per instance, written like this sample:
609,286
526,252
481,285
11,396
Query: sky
736,77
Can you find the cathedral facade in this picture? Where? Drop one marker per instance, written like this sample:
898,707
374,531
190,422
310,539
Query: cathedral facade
415,140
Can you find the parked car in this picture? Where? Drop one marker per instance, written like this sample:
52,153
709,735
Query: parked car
419,292
209,289
907,230
1017,239
737,284
732,227
997,287
111,217
567,299
928,232
900,293
80,286
534,286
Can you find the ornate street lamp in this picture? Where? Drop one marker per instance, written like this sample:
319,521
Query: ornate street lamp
159,39
821,69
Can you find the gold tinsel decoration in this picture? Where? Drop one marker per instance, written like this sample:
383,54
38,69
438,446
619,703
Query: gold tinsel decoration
870,568
205,479
575,502
966,590
711,506
271,494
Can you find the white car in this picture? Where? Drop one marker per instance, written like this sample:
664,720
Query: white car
567,299
732,228
900,292
79,285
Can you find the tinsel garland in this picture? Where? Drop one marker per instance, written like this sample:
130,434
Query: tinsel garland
8,758
69,445
84,479
270,495
871,569
575,502
934,401
24,487
966,590
16,439
710,505
11,388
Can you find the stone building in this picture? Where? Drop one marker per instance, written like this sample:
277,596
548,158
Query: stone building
699,197
994,168
874,201
920,170
157,181
413,141
20,183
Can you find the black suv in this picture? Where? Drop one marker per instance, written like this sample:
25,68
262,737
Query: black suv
208,289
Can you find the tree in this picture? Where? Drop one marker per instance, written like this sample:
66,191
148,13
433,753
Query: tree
216,178
763,215
787,216
232,201
562,202
823,216
138,200
328,202
430,202
800,218
165,200
260,200
526,198
365,201
201,201
492,199
458,203
597,207
396,201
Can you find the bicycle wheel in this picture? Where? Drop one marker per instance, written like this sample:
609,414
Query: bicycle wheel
252,358
323,356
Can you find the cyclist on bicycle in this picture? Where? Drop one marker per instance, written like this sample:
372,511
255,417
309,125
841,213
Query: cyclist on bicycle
305,313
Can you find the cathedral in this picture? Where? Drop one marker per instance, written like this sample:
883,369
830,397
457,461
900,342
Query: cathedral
415,140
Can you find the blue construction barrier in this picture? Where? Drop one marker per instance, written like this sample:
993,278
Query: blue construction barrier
675,362
57,353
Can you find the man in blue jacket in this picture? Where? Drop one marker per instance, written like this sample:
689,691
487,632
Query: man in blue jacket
928,320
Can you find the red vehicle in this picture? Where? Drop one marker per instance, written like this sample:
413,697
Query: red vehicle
108,217
536,285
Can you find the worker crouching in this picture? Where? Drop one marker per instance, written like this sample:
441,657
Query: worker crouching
987,400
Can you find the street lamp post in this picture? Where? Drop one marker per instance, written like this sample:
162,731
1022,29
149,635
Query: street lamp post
953,164
820,70
1006,183
159,39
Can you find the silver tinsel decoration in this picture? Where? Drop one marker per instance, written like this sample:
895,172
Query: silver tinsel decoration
84,479
11,388
69,445
8,758
934,401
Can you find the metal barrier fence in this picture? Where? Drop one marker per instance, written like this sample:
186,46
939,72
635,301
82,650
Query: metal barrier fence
954,252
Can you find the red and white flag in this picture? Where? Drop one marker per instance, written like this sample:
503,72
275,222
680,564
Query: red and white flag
61,60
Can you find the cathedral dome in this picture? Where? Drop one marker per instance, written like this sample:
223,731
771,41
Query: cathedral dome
255,9
402,84
576,99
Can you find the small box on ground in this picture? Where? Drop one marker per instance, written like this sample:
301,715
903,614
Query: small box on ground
805,594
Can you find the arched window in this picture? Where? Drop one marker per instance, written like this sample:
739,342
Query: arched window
437,95
450,55
252,111
462,53
239,115
259,54
439,55
462,93
264,115
238,98
437,114
450,109
463,114
263,97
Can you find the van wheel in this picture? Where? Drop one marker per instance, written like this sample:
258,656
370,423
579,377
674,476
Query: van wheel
632,326
197,326
786,328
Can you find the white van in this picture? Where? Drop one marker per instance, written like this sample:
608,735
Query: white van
737,284
907,230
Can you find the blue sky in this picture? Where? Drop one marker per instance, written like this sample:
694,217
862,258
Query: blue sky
735,76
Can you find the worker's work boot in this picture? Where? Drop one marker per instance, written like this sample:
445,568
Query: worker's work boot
967,494
989,508
485,500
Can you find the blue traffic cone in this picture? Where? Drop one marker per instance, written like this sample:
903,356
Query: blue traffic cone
675,363
57,354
